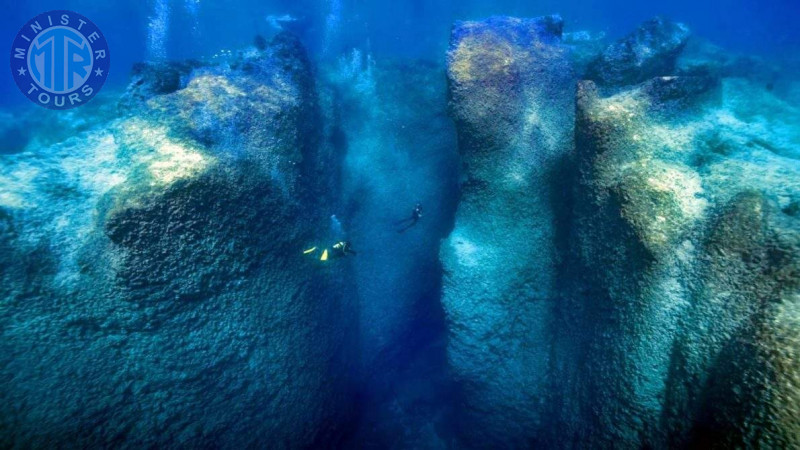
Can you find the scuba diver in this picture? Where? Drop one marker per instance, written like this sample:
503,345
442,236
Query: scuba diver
338,250
343,248
415,216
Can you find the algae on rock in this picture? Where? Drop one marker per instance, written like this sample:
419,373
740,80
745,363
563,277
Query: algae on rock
689,257
511,87
162,276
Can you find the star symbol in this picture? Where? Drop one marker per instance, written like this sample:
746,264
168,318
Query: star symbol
98,72
21,71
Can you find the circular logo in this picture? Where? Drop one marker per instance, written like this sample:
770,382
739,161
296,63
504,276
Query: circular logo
60,59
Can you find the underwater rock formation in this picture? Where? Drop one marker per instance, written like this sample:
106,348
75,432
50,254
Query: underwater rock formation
155,78
648,52
642,291
683,232
512,97
154,291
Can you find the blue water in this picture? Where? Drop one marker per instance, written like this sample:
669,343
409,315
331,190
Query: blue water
406,29
379,68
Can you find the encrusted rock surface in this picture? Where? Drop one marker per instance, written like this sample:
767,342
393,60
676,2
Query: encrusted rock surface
153,289
683,234
648,52
511,87
657,305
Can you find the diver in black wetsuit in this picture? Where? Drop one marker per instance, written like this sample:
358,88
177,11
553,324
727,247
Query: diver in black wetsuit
415,216
337,250
343,248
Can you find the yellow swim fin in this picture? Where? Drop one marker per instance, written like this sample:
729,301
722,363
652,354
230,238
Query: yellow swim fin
309,250
324,255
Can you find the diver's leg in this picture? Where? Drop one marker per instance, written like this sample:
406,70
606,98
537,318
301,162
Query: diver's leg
414,222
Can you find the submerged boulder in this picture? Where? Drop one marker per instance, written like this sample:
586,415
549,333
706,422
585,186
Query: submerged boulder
150,79
511,88
648,52
154,291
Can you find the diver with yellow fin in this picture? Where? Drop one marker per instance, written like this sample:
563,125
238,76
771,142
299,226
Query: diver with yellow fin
340,249
337,250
